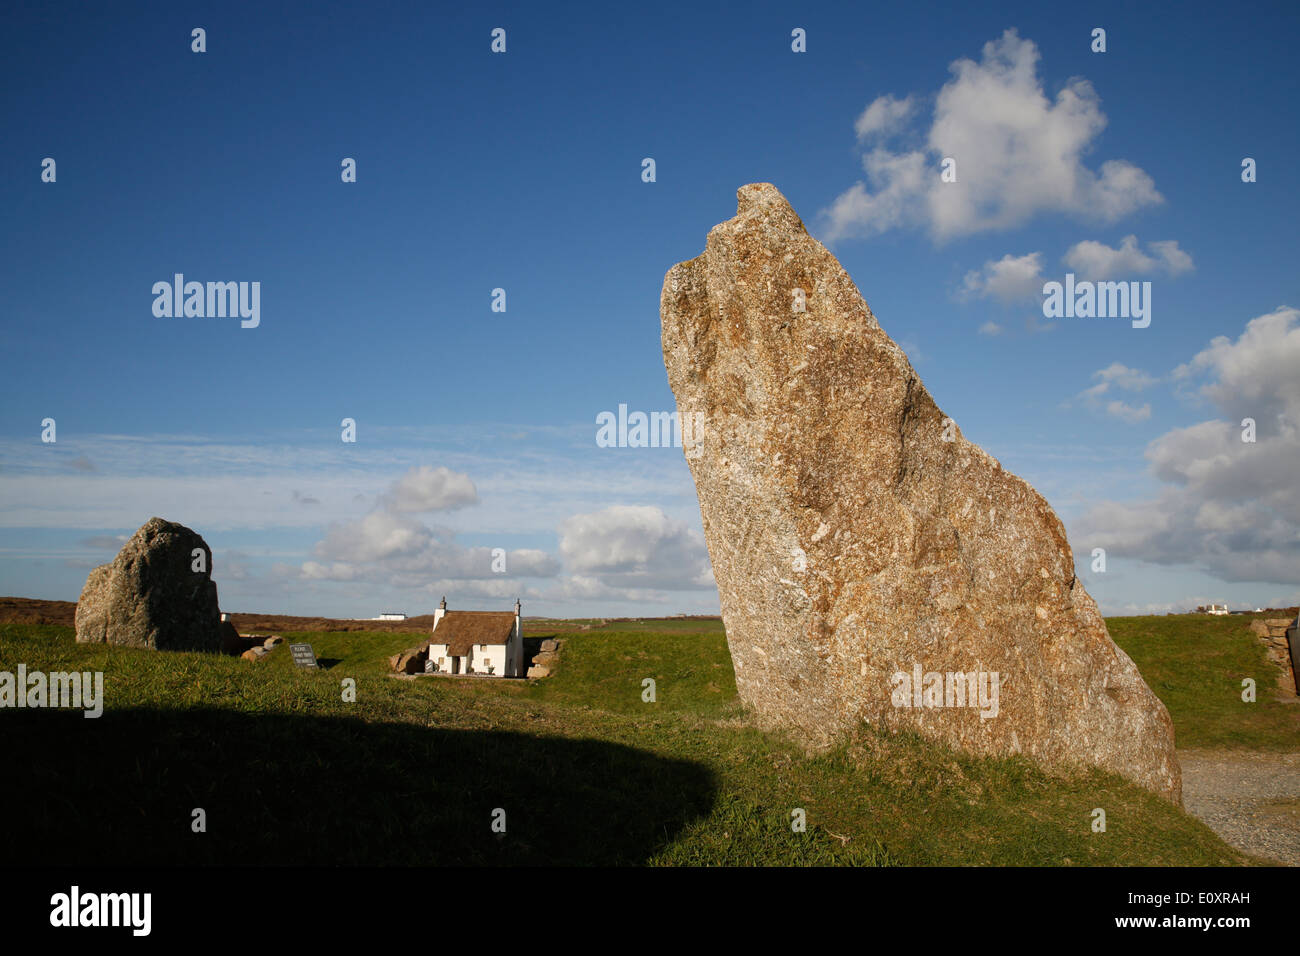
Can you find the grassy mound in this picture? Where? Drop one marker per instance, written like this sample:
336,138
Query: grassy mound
1195,663
585,770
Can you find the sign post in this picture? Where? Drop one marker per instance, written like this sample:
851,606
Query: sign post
303,655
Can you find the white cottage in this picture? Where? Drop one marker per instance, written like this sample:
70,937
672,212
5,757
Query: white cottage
490,643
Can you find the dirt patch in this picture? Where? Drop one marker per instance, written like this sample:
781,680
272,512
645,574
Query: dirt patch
1251,799
63,613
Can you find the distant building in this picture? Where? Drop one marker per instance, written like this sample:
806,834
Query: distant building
391,616
490,643
1216,609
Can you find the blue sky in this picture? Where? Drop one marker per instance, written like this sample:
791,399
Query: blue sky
475,171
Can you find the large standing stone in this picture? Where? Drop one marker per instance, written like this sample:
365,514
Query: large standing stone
859,541
151,596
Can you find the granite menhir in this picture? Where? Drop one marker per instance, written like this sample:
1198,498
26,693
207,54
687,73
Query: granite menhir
873,565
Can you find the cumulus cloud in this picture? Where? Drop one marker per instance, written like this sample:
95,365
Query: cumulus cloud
1256,375
1019,154
389,545
990,328
1097,261
1128,413
1117,376
404,552
634,547
1020,278
883,116
1227,506
1009,279
1121,376
431,489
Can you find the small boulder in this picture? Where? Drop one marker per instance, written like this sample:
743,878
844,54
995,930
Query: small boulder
273,641
254,654
411,660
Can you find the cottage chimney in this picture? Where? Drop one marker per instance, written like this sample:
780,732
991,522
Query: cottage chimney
442,609
517,649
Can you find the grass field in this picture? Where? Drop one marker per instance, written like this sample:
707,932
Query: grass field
585,770
1195,663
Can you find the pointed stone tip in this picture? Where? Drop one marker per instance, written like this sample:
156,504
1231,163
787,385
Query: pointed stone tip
764,201
752,195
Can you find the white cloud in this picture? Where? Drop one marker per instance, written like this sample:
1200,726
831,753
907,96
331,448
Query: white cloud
1256,375
406,553
635,546
390,546
431,489
500,588
990,328
883,115
1227,506
1019,154
1119,376
1097,261
1009,279
1128,413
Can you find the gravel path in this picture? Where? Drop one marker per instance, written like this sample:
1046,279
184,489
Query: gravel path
1252,800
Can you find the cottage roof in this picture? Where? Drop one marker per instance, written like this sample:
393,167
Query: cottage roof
459,630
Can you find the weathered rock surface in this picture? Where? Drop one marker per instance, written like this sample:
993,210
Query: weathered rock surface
411,660
1275,633
149,595
856,536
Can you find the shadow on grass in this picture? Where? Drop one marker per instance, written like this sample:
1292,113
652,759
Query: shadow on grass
283,789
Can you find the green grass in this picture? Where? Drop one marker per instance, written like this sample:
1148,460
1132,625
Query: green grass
587,772
606,669
354,652
1195,663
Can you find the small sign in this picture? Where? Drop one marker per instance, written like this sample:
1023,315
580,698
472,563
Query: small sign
303,655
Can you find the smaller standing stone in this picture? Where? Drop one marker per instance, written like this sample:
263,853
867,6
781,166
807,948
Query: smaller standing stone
151,596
